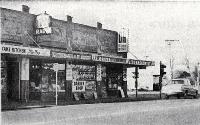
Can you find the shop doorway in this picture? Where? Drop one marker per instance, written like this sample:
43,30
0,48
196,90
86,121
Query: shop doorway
13,79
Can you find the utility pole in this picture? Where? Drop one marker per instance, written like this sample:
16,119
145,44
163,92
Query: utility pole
171,58
162,73
198,74
136,80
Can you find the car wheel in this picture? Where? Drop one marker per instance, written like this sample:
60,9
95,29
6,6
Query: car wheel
178,96
196,95
185,94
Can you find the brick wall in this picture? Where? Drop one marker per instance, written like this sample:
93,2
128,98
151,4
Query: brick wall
65,35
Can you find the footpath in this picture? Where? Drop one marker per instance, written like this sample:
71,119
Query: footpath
142,96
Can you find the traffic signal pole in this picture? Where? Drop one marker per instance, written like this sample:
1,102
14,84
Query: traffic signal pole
162,73
136,80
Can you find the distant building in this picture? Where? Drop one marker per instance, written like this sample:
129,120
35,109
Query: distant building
87,60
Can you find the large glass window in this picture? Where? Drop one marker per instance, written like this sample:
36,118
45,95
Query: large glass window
43,77
3,75
84,80
85,73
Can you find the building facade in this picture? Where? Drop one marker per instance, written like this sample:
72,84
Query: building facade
44,59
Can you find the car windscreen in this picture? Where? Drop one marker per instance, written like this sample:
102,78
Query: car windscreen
177,82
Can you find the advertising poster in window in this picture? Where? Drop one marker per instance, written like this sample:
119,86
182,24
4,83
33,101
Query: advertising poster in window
78,86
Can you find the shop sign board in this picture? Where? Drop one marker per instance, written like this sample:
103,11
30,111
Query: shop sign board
122,47
99,58
24,50
78,86
140,62
69,73
71,56
43,22
99,72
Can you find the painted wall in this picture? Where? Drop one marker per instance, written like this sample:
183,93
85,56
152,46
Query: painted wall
65,35
14,26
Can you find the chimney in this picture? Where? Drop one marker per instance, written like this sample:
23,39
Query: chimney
69,18
25,9
99,25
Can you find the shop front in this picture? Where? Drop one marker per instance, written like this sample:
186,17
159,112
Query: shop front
36,74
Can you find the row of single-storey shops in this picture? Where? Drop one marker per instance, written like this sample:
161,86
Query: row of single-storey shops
29,73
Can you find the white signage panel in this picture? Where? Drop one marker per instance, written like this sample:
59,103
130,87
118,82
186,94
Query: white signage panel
68,71
78,86
122,47
43,22
24,50
99,72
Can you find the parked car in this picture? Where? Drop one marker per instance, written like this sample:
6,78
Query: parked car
143,88
180,88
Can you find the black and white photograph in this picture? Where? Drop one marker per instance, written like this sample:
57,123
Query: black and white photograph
100,62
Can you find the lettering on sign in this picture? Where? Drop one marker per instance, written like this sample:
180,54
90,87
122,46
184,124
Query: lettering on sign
99,72
43,22
71,56
24,50
122,47
78,86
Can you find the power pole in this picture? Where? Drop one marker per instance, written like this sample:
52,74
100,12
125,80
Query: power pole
136,80
162,73
198,74
171,59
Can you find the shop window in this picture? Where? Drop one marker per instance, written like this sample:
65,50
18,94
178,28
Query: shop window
3,75
43,77
104,84
84,79
114,79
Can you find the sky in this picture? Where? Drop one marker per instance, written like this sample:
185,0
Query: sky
149,25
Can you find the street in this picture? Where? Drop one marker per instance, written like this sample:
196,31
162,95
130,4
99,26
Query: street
159,112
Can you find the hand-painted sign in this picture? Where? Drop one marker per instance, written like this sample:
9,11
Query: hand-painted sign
100,58
24,50
78,86
71,56
99,78
43,22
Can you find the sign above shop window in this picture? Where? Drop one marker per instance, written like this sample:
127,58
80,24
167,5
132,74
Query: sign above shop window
43,24
100,58
24,50
71,56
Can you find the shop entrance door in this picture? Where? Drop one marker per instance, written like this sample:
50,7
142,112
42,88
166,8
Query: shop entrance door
13,79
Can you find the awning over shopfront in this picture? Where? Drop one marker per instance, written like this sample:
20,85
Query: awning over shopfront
29,51
103,59
21,50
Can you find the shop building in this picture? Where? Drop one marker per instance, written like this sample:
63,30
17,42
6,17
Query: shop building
47,59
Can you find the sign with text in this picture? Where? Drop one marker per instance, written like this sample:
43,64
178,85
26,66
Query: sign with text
78,86
68,71
43,22
99,72
71,56
122,47
24,50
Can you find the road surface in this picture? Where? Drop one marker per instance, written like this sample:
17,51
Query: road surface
159,112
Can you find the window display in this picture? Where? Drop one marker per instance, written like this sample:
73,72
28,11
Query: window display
85,73
3,75
43,77
114,78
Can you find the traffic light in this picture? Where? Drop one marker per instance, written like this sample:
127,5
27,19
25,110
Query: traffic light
135,75
162,69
